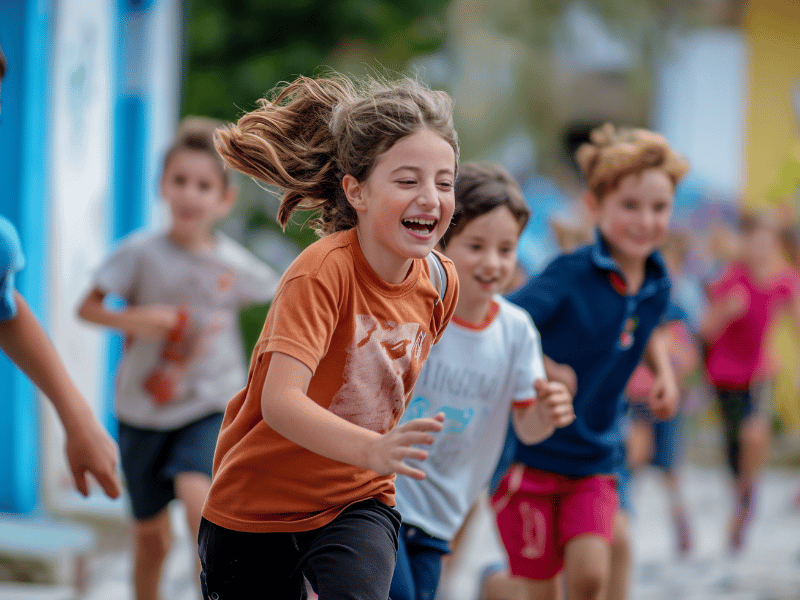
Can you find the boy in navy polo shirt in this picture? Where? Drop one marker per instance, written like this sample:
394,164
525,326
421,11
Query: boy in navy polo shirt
596,309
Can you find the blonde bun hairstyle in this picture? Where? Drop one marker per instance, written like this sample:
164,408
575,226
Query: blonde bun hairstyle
612,154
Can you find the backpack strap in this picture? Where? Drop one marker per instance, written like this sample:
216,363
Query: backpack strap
438,274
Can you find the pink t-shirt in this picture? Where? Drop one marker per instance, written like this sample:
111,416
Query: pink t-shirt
737,356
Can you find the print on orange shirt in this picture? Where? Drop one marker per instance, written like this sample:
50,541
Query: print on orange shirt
377,372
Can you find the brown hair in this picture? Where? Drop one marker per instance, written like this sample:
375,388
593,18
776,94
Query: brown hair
308,134
197,134
479,189
612,154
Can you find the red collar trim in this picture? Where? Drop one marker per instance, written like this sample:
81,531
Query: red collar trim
494,308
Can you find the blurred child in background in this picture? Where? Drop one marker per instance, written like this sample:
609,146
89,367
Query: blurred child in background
742,304
659,441
595,309
304,472
487,367
89,448
183,289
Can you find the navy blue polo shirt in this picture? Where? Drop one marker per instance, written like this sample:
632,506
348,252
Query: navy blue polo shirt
586,320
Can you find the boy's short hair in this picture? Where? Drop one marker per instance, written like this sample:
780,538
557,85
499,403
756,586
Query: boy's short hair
197,134
479,189
613,154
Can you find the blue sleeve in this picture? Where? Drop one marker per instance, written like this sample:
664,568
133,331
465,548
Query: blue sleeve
674,313
543,295
11,262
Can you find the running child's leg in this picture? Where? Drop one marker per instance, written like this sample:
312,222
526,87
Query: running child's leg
190,464
143,454
587,567
192,489
639,444
419,565
152,540
621,546
667,440
258,566
353,557
402,587
621,558
586,526
524,505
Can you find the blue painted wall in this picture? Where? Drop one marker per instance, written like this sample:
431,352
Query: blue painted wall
25,31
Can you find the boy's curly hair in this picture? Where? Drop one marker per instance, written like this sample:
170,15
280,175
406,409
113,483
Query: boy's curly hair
612,154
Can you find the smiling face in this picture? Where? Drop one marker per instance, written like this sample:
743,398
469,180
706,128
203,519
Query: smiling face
406,203
484,253
761,244
194,188
634,218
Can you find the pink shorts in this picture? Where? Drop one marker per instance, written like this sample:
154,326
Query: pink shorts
538,512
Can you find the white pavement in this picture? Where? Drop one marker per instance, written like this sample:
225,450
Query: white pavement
767,569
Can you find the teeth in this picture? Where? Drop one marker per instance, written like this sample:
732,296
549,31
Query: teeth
427,222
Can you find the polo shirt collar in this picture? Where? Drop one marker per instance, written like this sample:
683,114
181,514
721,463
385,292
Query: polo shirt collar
655,269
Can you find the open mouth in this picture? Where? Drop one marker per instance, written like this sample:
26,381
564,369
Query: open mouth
419,225
486,282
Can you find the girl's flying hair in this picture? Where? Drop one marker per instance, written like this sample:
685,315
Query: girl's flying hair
308,134
612,154
197,134
480,188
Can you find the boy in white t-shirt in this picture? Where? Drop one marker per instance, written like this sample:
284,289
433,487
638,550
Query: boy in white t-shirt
487,366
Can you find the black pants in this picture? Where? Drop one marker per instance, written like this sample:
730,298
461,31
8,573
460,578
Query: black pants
350,558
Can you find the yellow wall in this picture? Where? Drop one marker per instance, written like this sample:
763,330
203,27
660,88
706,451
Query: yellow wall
773,28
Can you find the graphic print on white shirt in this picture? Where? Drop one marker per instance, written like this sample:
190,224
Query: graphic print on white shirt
473,376
378,362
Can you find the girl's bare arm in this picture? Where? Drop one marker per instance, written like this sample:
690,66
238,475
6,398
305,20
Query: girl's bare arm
287,409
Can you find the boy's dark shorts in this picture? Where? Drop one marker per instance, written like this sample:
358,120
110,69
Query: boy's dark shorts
151,460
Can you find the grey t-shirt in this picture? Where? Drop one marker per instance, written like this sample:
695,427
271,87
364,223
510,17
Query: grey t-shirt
212,286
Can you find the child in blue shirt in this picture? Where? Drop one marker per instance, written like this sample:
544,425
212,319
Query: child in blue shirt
89,448
596,309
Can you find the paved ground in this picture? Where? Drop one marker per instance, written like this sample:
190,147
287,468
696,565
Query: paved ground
767,569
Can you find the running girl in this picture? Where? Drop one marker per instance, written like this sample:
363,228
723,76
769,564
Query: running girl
304,468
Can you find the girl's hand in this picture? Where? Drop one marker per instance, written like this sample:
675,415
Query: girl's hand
664,396
554,402
390,449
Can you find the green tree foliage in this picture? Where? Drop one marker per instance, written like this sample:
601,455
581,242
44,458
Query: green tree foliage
237,50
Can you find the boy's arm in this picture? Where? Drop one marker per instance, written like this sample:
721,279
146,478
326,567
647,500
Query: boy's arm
664,394
152,321
561,372
551,409
89,448
286,408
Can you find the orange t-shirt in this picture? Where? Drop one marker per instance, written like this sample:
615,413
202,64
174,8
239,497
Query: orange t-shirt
365,341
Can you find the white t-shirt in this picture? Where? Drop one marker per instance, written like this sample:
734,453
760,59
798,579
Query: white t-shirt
212,286
474,375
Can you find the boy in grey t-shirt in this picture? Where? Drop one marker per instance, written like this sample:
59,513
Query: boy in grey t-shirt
183,289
